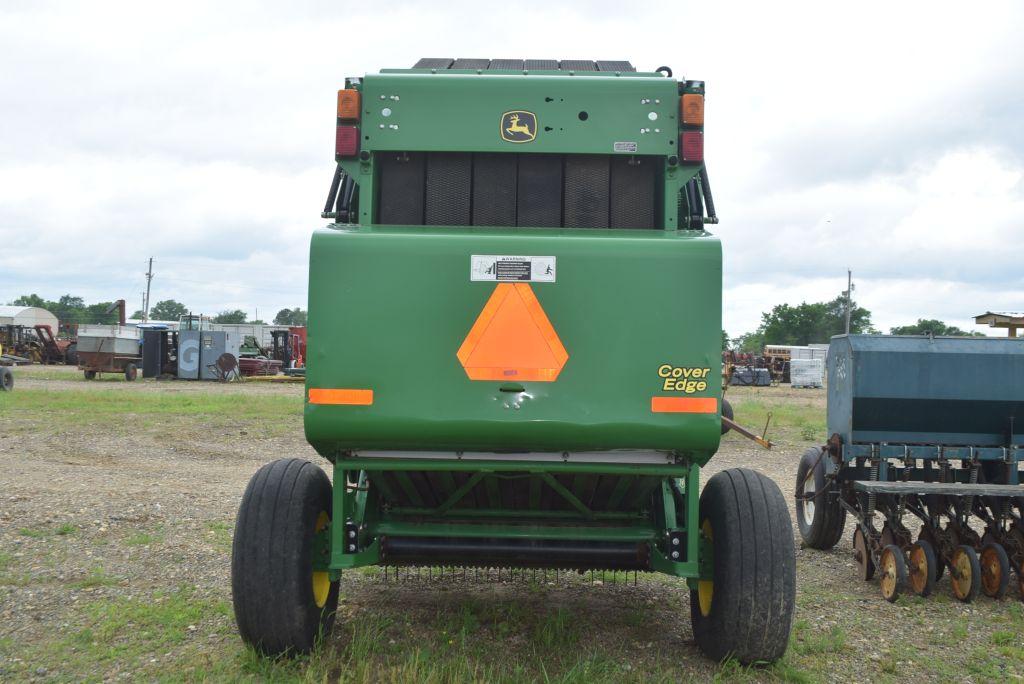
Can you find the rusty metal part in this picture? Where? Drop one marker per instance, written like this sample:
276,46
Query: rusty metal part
893,572
921,568
736,427
965,571
835,446
862,554
995,570
928,535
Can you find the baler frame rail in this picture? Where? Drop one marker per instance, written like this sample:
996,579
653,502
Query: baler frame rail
663,523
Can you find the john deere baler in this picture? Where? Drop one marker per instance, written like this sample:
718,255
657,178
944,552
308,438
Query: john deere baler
514,354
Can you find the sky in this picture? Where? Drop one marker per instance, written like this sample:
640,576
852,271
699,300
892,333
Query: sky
882,137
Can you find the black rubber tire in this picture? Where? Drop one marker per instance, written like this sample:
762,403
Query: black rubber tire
71,355
899,579
751,610
131,372
825,528
727,413
271,559
90,375
998,590
926,583
975,571
6,380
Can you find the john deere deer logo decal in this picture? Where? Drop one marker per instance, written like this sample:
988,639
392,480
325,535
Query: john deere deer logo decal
518,127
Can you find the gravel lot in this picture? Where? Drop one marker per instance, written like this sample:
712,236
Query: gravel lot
103,517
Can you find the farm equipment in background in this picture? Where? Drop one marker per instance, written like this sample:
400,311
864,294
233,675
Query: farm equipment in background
932,427
36,344
515,326
289,347
111,348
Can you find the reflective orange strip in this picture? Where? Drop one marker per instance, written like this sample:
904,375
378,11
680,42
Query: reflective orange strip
684,405
351,397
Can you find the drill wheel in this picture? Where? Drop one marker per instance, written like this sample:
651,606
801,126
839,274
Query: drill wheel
995,570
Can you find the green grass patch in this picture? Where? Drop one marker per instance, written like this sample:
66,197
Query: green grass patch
79,405
97,577
790,420
221,534
1003,638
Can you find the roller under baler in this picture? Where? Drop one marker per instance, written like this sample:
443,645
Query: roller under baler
513,356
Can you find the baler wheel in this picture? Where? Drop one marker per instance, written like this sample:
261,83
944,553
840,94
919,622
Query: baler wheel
995,570
282,604
727,413
131,372
894,572
862,554
819,515
965,573
6,380
922,568
746,610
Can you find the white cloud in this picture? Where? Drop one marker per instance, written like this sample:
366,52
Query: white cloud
880,136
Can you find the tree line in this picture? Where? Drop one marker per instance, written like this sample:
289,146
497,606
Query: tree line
810,323
73,310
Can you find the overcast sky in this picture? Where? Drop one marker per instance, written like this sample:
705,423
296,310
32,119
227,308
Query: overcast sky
885,137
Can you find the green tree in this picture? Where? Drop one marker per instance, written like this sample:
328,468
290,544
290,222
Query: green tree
235,316
931,326
808,323
725,340
167,310
294,316
137,315
30,300
751,342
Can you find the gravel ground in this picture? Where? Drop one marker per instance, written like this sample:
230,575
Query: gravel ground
91,512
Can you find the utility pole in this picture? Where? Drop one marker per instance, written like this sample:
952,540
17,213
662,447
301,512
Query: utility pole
149,279
849,298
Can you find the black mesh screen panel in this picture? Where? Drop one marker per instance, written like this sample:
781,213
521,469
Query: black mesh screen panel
466,63
586,191
632,192
494,189
540,190
448,189
401,188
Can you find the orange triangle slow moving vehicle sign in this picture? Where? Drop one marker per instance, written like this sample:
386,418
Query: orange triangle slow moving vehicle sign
512,339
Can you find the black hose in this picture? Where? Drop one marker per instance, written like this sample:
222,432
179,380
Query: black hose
708,200
333,192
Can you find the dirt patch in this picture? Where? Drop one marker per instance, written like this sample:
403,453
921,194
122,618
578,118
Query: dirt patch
115,537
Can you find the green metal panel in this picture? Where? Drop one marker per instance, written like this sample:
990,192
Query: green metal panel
390,307
462,112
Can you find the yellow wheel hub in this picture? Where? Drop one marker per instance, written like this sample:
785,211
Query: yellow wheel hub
706,588
321,578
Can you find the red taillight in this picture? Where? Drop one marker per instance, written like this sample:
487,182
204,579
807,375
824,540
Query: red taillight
691,144
346,142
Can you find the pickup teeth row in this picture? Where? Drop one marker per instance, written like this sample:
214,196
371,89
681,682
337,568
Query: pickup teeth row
494,573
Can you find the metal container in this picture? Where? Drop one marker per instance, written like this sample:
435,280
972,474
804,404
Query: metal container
109,339
924,390
806,372
198,351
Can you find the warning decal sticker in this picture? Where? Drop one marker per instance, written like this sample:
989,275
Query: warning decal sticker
522,269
